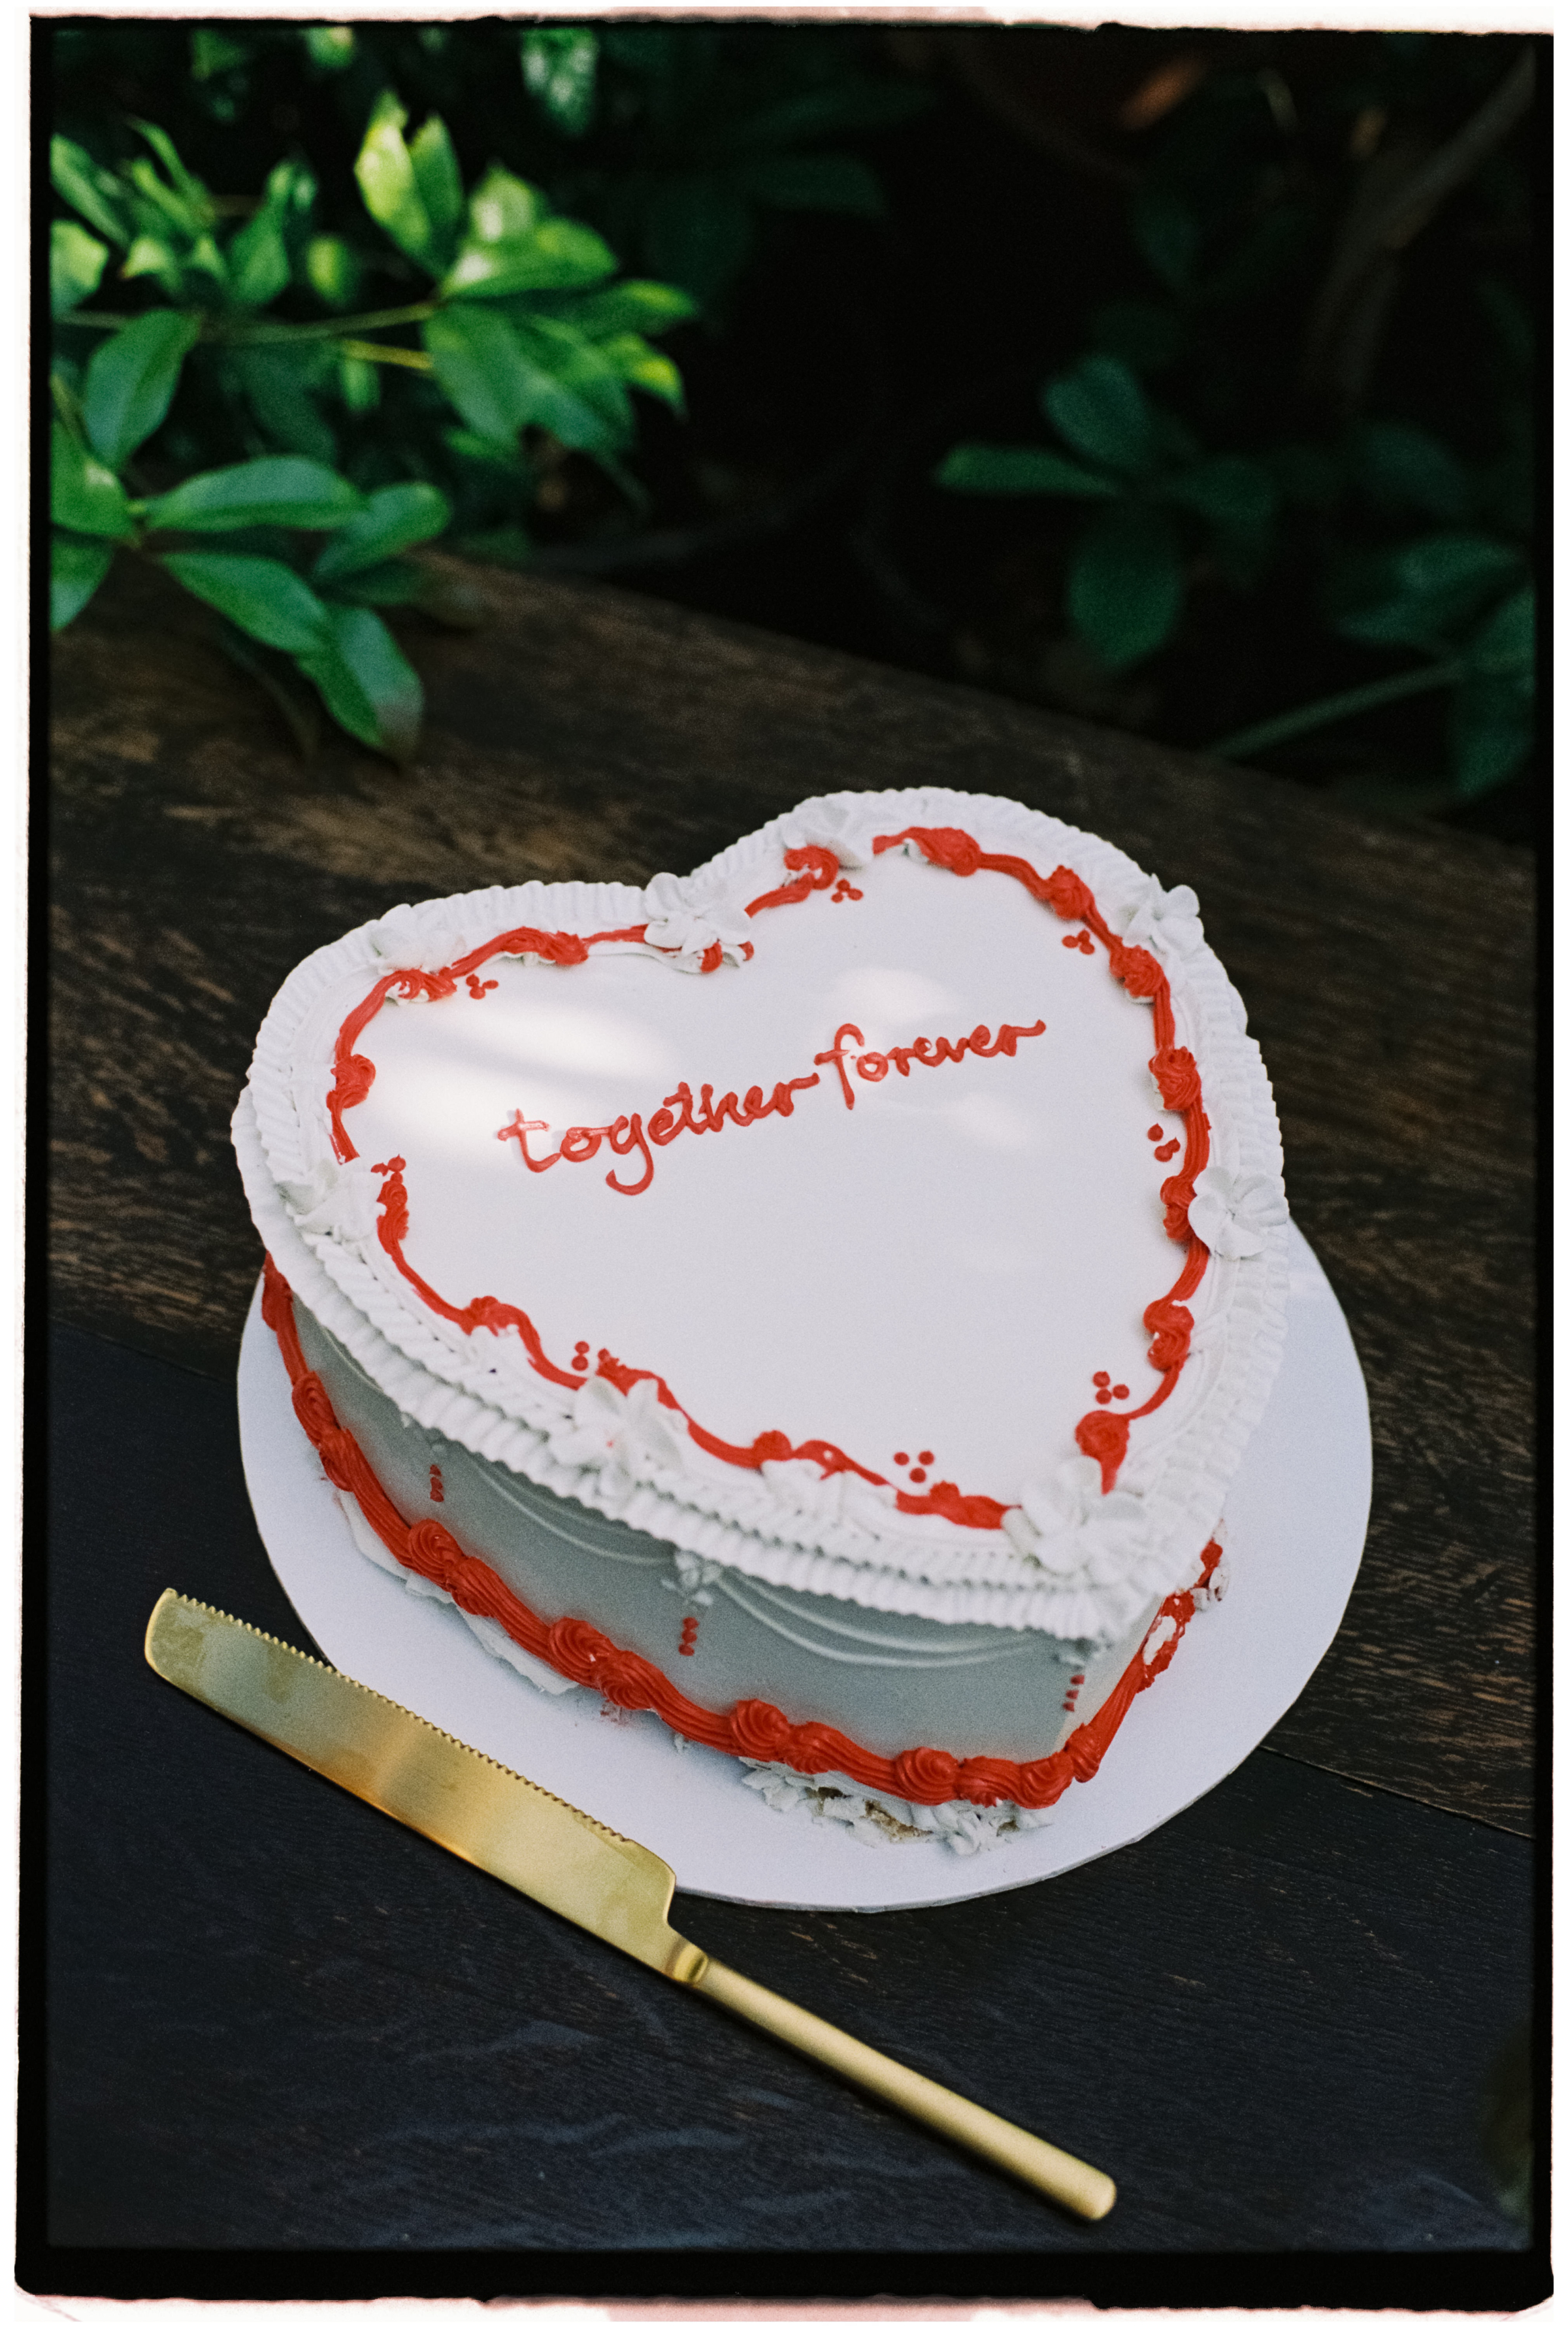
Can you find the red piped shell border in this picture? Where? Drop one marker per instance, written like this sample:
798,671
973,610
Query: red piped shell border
1100,1435
752,1728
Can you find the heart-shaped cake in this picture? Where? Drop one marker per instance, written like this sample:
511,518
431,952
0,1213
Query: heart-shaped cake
821,1299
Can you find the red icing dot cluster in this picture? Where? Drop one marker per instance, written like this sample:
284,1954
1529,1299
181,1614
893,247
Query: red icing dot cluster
438,1490
688,1637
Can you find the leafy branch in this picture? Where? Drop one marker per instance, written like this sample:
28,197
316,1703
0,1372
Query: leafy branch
522,329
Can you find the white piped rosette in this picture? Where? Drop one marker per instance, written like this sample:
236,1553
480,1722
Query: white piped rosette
1070,1558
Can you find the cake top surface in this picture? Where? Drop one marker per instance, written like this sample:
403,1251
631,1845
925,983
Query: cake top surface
892,1208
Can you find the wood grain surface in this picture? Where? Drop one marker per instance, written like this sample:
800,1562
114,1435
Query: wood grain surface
589,733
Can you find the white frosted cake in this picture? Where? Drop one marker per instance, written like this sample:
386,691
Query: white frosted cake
822,1300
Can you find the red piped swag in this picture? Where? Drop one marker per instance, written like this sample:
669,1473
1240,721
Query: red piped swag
1100,1434
752,1728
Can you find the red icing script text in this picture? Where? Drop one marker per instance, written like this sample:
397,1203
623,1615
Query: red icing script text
681,1113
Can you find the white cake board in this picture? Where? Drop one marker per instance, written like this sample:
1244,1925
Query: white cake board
1295,1523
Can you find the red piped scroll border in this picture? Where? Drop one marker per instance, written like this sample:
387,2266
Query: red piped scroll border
1100,1435
752,1728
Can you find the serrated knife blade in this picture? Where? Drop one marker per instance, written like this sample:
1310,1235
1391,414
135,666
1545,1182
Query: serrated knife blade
548,1850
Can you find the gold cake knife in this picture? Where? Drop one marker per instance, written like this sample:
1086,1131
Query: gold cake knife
541,1846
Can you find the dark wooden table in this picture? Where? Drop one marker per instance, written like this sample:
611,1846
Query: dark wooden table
292,2046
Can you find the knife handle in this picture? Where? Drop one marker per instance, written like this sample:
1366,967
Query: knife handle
1083,2189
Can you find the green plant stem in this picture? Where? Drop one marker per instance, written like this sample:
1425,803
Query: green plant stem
219,327
334,328
372,351
1329,708
69,409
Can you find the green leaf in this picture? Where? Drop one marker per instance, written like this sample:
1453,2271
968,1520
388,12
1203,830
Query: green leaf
479,365
1417,595
214,52
160,210
1505,646
493,452
258,267
631,358
1403,468
396,582
365,682
1491,733
258,256
700,234
358,384
1020,469
387,181
1099,407
394,518
633,307
76,265
813,182
76,567
82,494
503,208
559,67
262,595
188,189
333,270
1234,494
281,489
449,598
1125,583
559,255
500,386
150,254
1166,233
329,47
277,381
1451,568
100,198
131,380
581,395
440,186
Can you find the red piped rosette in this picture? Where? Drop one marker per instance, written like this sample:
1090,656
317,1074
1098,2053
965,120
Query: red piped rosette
752,1728
1101,1436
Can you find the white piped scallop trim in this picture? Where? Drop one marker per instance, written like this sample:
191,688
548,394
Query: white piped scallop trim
841,1537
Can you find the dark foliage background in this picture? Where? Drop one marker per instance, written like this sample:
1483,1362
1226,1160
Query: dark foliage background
1232,332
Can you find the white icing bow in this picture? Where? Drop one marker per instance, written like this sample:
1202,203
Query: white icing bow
337,1201
802,1489
626,1436
1164,920
838,825
1231,1211
1071,1529
692,1578
688,931
415,942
